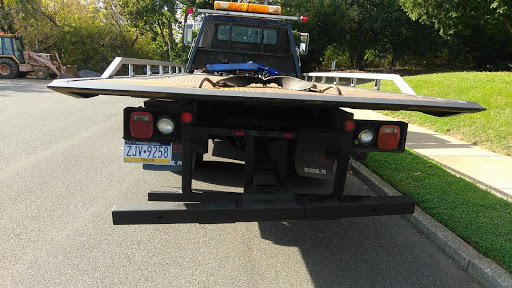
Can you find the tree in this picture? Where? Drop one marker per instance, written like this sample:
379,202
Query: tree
87,33
459,15
503,10
483,28
205,4
7,17
327,22
360,31
153,16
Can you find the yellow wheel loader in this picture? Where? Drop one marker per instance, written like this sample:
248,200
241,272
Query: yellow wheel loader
16,62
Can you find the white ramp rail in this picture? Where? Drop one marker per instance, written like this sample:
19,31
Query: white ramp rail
378,77
131,62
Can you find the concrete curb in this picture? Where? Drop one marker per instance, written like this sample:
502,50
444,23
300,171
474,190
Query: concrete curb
480,267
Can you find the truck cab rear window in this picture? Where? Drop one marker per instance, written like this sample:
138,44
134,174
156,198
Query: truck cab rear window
247,34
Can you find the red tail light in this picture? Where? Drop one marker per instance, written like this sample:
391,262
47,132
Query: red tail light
141,124
350,125
304,19
187,117
389,137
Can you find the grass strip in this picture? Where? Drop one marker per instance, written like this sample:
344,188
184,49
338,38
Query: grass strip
478,217
489,129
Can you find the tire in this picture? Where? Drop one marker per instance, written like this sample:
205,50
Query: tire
41,73
8,68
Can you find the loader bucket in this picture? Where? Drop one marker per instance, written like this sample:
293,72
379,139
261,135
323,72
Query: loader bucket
69,71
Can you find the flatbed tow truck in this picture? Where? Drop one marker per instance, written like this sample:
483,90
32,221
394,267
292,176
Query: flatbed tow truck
243,91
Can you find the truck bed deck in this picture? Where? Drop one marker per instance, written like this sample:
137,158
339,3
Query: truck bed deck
186,86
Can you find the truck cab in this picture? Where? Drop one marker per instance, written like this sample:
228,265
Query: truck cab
228,39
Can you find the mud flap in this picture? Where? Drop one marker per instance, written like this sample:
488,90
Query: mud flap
318,155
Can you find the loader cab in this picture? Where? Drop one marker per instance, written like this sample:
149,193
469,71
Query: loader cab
12,46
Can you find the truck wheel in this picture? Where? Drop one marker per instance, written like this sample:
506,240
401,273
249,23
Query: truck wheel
41,73
8,68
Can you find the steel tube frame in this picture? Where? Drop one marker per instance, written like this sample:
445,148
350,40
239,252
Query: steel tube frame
215,207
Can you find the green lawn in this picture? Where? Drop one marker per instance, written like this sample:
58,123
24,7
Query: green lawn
477,216
491,129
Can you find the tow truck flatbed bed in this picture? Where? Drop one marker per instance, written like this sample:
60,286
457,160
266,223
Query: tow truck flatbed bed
294,137
186,86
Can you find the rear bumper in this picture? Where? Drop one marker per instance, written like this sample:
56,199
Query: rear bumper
261,208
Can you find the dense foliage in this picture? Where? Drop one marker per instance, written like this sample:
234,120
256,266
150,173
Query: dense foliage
482,28
360,33
386,33
356,33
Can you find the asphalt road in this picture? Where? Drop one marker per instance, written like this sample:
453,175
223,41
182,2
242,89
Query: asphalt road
61,172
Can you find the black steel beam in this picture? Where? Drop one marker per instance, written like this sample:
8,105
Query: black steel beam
231,211
198,195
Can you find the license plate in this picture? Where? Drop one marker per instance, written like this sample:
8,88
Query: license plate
160,153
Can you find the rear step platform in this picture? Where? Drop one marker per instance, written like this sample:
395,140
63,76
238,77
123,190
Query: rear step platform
259,207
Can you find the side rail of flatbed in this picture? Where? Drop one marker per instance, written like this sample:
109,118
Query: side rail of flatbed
118,62
335,77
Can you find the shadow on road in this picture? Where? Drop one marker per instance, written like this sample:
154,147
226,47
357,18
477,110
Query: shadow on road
418,140
219,173
383,251
367,252
24,85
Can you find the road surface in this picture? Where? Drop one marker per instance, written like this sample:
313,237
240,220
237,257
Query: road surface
61,172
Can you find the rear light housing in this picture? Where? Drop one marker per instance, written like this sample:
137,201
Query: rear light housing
379,136
152,124
141,125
